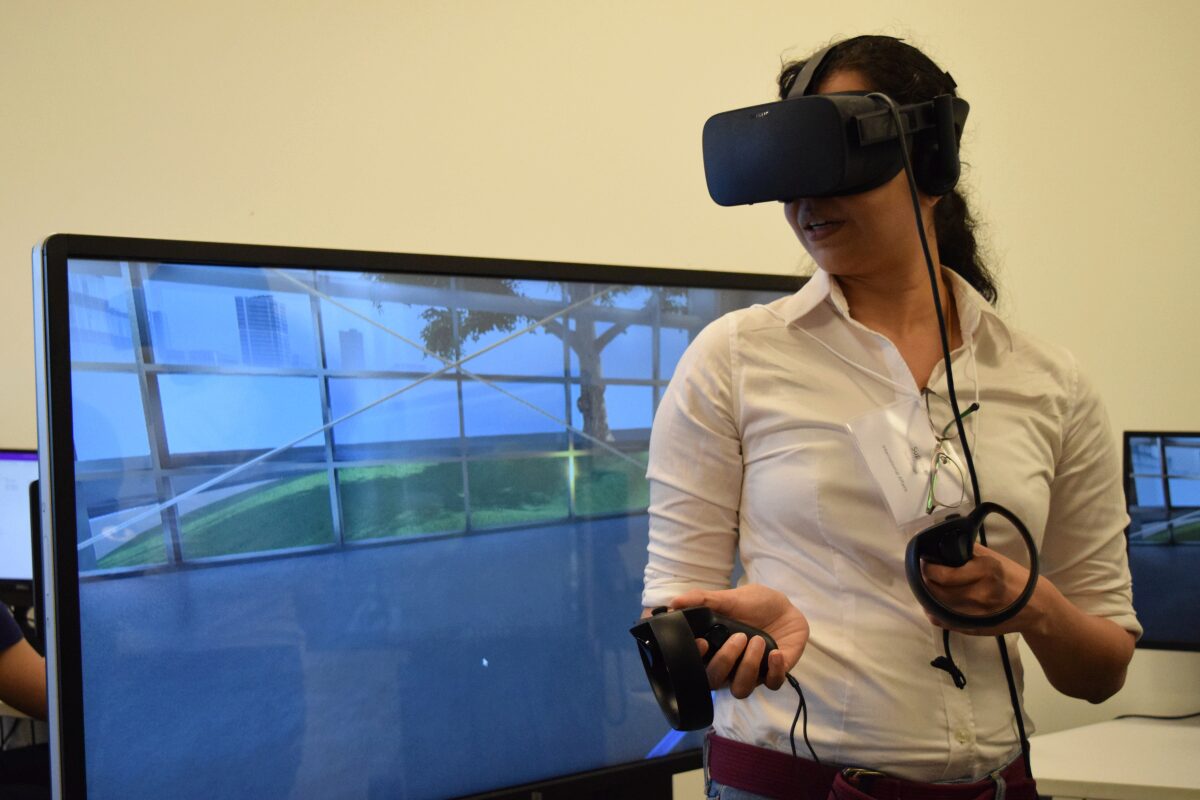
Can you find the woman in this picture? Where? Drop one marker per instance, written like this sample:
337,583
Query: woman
752,460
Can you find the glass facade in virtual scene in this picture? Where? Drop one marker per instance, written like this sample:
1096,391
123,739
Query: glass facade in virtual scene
368,406
1162,492
1163,489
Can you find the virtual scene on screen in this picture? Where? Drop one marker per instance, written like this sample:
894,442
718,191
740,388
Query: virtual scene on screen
1163,491
371,535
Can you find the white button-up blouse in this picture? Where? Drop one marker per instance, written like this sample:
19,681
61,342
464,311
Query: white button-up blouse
751,460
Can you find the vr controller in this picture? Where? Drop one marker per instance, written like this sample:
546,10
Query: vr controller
952,542
666,643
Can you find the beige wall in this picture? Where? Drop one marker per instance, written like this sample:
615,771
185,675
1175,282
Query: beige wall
570,131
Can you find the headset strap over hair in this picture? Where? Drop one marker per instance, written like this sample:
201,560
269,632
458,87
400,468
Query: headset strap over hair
800,85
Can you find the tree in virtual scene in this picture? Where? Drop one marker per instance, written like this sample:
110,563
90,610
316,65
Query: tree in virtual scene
584,329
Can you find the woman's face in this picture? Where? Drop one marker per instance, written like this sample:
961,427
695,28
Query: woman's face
863,233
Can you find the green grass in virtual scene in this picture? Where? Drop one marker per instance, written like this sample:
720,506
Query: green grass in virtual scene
398,500
244,523
606,484
401,499
514,491
1188,533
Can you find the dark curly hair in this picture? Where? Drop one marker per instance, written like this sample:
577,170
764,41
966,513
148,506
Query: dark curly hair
907,75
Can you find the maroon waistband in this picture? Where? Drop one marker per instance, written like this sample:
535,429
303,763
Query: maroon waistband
773,773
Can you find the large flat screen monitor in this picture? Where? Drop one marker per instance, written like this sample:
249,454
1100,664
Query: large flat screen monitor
18,469
1162,490
350,524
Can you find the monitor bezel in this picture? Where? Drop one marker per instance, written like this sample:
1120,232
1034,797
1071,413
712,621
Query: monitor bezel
1146,643
56,464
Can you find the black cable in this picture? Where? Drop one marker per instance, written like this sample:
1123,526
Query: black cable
1014,698
801,708
946,662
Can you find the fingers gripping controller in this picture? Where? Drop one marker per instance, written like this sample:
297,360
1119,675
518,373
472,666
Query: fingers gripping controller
952,542
666,643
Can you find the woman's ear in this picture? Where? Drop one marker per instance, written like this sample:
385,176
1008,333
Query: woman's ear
929,207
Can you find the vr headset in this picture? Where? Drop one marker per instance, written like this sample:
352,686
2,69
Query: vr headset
828,145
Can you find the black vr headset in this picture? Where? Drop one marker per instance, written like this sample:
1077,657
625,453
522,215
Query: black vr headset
828,145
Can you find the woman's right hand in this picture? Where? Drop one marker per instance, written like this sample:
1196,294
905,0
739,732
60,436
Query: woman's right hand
763,608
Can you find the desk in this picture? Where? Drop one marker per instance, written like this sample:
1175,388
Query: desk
1125,759
8,711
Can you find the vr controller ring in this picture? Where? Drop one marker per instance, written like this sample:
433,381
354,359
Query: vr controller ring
667,645
932,545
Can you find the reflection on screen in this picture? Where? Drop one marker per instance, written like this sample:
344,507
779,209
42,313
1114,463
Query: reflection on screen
1163,493
363,535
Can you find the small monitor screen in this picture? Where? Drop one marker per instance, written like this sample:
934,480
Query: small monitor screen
18,469
352,526
1162,489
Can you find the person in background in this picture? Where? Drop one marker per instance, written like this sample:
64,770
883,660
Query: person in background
752,462
24,771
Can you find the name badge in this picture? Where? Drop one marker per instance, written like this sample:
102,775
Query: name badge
898,444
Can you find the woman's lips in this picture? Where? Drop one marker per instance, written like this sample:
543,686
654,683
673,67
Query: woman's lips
818,231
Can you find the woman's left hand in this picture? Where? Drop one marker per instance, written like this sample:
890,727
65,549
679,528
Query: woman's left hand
987,583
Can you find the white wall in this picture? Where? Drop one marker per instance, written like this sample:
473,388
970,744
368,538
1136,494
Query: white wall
570,131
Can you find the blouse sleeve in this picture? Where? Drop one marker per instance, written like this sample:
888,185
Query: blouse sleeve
10,633
1083,553
695,473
